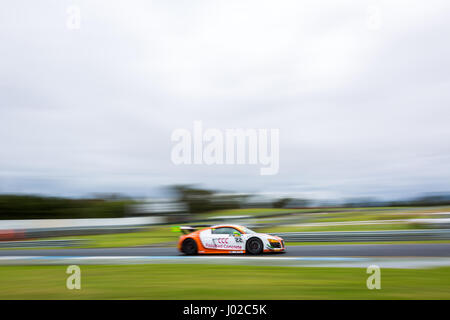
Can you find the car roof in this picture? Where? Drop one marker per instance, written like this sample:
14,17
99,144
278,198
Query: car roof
227,225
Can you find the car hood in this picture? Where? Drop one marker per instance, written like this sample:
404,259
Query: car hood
269,236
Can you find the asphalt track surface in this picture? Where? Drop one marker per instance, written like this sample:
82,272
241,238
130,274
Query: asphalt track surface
355,250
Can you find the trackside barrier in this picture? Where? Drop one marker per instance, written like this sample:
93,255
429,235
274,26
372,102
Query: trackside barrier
366,236
42,243
41,228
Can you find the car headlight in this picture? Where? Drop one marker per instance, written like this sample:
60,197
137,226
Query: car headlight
274,243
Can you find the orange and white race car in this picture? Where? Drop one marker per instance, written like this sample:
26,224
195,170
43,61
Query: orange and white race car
228,239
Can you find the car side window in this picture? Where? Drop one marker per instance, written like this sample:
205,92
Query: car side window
225,230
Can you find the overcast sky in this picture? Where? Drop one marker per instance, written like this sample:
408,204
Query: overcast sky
360,91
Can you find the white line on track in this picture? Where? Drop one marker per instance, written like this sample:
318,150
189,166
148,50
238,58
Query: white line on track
353,262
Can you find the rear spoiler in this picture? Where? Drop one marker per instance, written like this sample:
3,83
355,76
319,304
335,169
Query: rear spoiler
188,229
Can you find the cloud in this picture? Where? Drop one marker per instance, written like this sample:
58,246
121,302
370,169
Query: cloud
360,111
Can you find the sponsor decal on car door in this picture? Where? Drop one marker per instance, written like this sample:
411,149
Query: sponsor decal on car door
207,239
221,241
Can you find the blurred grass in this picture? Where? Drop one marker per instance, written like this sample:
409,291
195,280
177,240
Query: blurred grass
220,282
368,227
368,216
249,211
162,235
146,237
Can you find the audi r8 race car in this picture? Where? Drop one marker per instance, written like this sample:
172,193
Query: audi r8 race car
228,239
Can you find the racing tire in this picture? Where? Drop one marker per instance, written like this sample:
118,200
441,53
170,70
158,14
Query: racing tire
189,247
254,246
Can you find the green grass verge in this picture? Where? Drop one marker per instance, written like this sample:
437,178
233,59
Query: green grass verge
368,227
244,212
220,282
150,236
164,236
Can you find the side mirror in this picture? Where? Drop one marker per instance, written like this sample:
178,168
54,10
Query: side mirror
236,234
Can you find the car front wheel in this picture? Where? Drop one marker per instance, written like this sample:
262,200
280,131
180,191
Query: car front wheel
254,246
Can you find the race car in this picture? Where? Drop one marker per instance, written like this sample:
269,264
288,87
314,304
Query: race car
227,239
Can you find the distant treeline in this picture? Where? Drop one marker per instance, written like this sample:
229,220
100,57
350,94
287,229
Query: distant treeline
433,200
39,207
197,201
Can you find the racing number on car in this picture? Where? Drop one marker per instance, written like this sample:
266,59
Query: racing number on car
238,239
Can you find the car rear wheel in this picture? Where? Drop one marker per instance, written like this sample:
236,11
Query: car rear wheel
189,247
254,246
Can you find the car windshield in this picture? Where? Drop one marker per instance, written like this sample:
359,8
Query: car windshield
247,230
